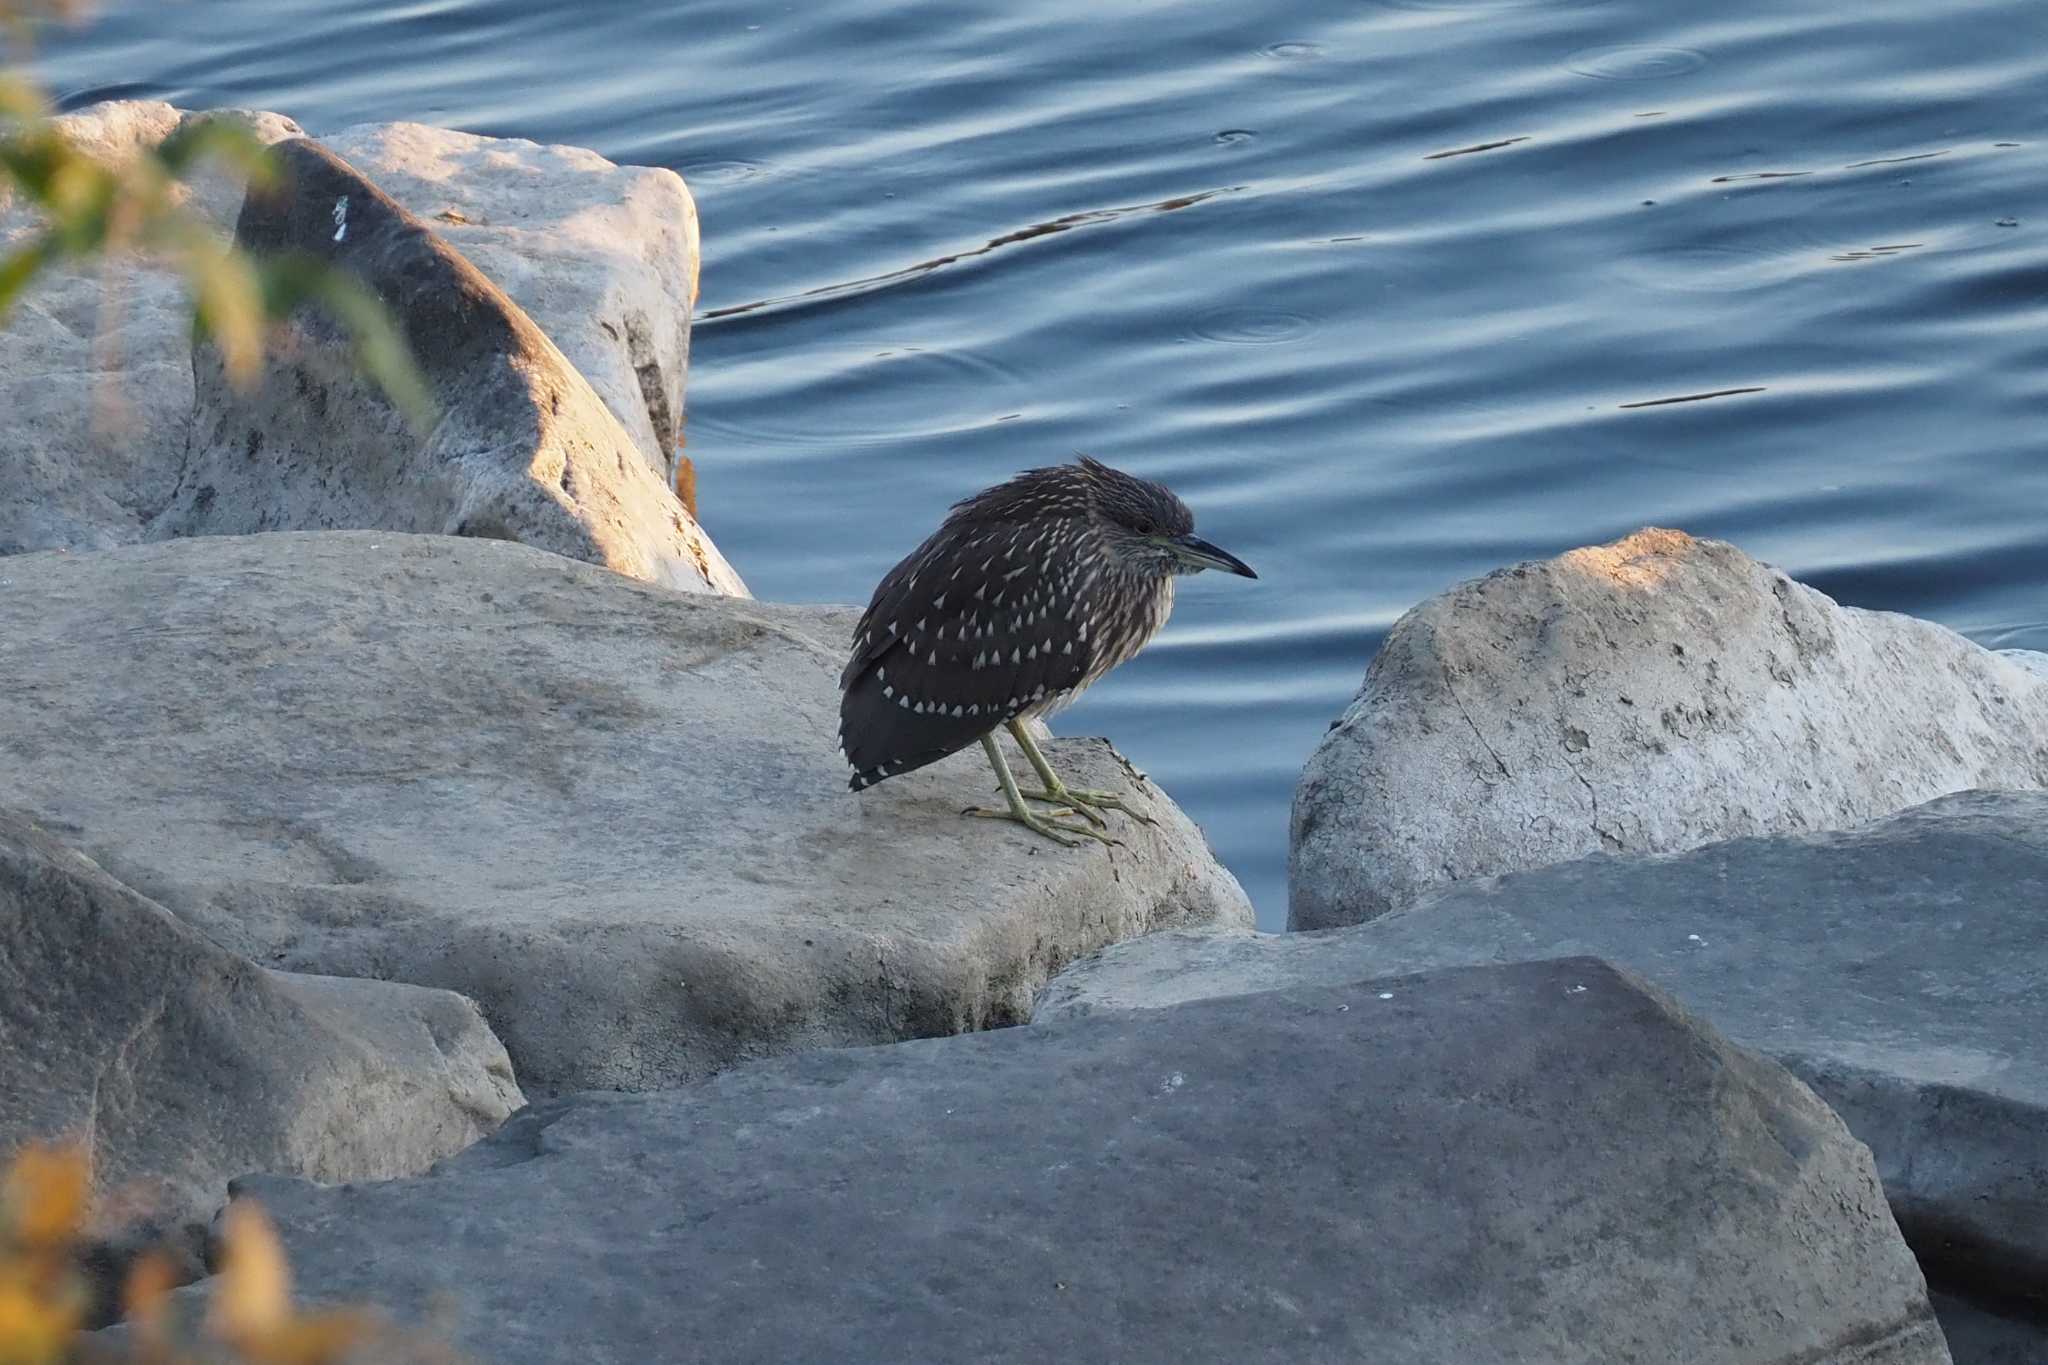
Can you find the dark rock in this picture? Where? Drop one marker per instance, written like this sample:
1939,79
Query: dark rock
1992,1331
1544,1162
1900,969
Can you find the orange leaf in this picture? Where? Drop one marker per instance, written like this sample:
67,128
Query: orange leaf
45,1195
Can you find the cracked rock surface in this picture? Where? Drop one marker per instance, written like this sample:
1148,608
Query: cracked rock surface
613,815
1541,1162
1646,696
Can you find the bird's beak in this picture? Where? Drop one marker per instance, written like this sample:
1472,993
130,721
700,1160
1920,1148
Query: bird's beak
1198,553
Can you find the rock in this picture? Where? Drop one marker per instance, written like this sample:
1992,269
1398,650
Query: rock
1545,1162
182,1066
1901,970
523,450
602,258
1982,1333
613,815
96,361
2033,660
1647,696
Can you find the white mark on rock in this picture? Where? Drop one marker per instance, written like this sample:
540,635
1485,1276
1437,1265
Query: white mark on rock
1386,995
1575,990
1172,1083
341,218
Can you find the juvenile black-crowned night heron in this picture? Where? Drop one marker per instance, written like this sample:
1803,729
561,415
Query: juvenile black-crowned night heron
1028,593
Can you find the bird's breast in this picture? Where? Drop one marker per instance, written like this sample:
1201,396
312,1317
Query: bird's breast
1138,608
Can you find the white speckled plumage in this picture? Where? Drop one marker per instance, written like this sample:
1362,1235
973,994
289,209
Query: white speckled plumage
1033,590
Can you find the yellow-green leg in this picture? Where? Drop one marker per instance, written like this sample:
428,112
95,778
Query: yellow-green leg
1082,801
1046,824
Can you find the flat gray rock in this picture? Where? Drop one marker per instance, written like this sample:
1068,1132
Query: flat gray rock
1538,1163
1647,696
181,1066
602,259
613,815
1900,969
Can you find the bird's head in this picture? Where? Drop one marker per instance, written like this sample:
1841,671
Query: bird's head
1149,529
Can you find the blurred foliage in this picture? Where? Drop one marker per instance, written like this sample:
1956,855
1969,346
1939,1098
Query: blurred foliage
93,210
249,1317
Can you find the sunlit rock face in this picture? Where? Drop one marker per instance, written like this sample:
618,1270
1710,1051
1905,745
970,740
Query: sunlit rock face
522,448
602,257
1645,696
559,355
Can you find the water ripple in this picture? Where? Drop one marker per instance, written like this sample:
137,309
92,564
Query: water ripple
1627,63
1252,326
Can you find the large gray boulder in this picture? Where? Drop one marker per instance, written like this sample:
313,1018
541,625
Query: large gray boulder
180,1066
523,449
1540,1163
613,815
1647,696
600,258
1901,970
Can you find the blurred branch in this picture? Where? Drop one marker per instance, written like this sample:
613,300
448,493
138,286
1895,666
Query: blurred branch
95,210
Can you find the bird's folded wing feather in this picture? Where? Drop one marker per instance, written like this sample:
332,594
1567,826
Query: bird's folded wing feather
983,622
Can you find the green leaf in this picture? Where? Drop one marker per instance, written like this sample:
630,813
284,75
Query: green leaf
20,99
218,138
228,307
18,267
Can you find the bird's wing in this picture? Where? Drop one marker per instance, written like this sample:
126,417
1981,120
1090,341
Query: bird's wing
980,624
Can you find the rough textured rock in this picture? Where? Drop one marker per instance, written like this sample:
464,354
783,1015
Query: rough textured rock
1900,969
602,258
1545,1162
524,450
2033,660
183,1066
613,815
1647,696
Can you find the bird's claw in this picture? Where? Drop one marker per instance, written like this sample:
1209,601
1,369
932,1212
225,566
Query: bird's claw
1069,804
1068,835
1086,803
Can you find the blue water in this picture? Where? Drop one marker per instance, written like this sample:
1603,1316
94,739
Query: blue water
1372,285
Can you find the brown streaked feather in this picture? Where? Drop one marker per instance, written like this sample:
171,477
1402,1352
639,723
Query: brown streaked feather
1011,607
977,626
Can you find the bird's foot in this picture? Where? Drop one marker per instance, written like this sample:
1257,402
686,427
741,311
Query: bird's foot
1084,802
1047,823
